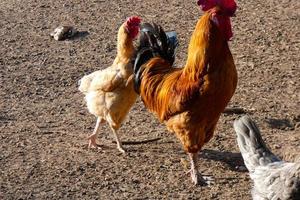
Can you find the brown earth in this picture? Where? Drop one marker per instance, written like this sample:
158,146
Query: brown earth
44,122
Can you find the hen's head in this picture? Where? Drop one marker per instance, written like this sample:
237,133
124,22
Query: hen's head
132,26
221,11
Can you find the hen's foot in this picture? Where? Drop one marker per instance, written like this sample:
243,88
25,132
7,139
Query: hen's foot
92,143
121,149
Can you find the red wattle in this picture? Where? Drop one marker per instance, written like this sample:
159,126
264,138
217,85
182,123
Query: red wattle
225,26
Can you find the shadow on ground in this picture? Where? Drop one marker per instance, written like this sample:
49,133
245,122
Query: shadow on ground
233,160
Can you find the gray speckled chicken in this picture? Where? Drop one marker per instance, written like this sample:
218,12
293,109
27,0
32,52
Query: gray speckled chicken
273,178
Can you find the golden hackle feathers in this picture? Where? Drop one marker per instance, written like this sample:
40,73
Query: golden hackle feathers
125,48
164,88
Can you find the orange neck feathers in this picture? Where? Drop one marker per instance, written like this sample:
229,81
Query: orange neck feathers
206,37
125,48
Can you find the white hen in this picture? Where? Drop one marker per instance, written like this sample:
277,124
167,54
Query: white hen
109,93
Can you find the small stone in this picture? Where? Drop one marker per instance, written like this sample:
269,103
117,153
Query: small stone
297,125
241,168
277,146
63,32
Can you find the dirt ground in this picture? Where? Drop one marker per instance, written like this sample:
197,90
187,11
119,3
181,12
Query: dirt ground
44,122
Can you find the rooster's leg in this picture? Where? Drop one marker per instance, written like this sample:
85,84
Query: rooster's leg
93,136
197,178
194,169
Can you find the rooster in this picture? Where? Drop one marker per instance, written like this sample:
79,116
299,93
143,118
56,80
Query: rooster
273,178
189,100
109,93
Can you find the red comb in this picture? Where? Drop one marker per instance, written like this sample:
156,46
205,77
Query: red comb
228,6
134,20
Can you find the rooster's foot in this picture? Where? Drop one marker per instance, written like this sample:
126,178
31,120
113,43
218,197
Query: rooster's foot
208,180
198,179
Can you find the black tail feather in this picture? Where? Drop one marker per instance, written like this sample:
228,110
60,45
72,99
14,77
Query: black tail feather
142,57
153,42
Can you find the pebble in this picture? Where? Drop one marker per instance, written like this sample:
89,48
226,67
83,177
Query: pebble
63,32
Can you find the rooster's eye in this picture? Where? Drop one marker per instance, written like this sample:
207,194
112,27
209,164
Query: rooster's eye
215,20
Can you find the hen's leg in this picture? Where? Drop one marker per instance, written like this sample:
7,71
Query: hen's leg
93,136
114,127
197,178
119,143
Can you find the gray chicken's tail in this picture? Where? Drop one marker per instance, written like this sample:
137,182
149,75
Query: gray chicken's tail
253,149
